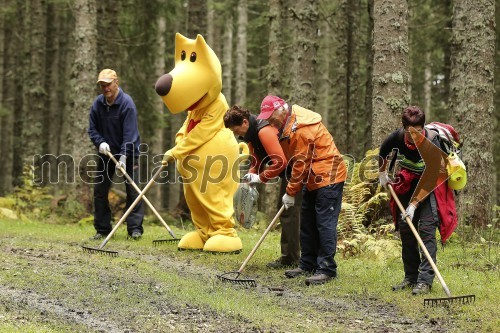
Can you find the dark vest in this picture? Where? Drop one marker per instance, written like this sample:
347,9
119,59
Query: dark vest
252,136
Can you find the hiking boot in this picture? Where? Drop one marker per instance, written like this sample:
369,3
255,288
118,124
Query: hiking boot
136,235
293,273
404,285
278,263
317,279
97,236
421,288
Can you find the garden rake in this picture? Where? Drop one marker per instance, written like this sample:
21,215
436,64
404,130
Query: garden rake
129,179
100,250
432,301
234,277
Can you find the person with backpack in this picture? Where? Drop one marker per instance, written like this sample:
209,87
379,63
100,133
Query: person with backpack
267,162
421,195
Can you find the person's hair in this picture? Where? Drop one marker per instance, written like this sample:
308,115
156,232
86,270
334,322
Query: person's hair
413,116
235,115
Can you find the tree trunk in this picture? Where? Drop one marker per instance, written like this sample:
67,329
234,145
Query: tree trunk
82,84
427,86
369,79
36,96
227,58
210,37
276,52
472,92
158,146
305,14
326,64
390,72
66,43
20,90
240,94
50,130
108,35
340,113
7,50
268,199
355,116
196,18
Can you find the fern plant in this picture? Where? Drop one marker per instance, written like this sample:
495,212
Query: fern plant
365,226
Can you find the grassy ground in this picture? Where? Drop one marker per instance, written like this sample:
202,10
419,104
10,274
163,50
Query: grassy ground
48,284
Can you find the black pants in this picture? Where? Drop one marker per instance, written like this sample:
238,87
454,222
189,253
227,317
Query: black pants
416,266
102,212
290,228
318,228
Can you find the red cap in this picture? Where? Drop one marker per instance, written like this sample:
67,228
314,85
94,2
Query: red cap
268,105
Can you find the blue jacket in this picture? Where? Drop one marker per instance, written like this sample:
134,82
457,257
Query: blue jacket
115,124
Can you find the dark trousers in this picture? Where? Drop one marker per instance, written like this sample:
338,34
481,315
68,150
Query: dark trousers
416,266
290,229
102,212
318,228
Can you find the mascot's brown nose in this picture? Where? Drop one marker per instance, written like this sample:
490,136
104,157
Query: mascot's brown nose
163,84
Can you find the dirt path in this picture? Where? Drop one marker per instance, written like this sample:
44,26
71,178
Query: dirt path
133,293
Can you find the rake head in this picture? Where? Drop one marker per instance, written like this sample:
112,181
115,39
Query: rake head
93,250
444,301
164,241
234,278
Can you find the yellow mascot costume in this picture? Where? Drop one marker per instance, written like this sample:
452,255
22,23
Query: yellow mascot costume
206,152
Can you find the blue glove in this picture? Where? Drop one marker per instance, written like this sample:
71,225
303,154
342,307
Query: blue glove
121,164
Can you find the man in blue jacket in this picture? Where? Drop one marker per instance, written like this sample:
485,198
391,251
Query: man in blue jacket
113,128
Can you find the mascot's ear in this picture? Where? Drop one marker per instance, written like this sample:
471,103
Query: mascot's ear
202,47
201,41
180,44
206,53
179,38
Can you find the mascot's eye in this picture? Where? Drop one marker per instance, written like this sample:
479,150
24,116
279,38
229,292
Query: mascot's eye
193,57
183,55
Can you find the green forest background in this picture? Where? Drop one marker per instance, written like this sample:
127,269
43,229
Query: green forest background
356,62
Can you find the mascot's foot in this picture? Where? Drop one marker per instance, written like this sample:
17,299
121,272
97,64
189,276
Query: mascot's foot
191,241
223,244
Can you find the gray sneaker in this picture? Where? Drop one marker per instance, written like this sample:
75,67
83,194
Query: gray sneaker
421,288
406,284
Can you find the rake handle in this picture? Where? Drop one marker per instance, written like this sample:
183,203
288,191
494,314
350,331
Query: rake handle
273,222
130,180
136,201
420,242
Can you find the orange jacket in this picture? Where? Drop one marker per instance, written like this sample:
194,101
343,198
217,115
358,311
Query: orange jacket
310,148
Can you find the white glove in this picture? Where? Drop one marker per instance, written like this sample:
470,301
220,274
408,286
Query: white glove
252,178
121,163
410,212
383,178
103,148
288,201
